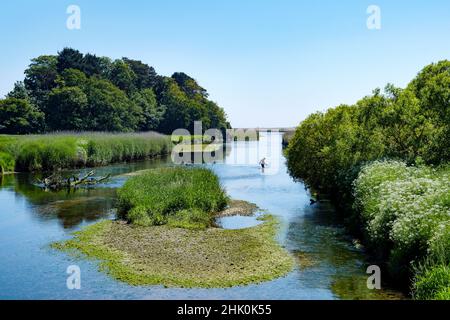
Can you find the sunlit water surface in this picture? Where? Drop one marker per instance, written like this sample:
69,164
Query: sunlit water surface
328,265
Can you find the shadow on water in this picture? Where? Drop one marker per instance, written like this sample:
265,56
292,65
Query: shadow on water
326,255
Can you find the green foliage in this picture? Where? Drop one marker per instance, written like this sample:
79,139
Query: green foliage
46,153
19,91
7,163
176,196
69,58
68,106
86,92
146,76
402,211
433,284
410,124
18,116
110,108
65,151
40,78
122,76
106,148
432,87
152,113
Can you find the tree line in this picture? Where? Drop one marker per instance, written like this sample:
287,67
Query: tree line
84,92
411,124
385,163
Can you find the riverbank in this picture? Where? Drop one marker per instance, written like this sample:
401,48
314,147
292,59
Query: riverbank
58,151
338,152
405,215
177,257
329,266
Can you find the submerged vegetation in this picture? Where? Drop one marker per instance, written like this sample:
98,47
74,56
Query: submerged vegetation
174,196
184,257
74,150
168,237
401,208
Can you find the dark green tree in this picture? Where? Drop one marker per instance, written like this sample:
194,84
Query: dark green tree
152,113
19,91
122,76
109,107
69,58
68,110
93,65
189,85
19,116
40,79
146,76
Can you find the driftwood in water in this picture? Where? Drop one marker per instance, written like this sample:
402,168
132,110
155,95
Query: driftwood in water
57,182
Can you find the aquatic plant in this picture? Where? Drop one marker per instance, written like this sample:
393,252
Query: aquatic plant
7,163
180,257
74,150
182,197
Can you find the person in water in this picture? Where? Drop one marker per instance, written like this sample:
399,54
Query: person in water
263,163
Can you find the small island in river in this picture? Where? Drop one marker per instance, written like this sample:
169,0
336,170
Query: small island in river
152,245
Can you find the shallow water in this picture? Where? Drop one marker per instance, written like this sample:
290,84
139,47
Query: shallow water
328,265
237,222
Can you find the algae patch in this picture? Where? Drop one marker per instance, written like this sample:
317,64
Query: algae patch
176,257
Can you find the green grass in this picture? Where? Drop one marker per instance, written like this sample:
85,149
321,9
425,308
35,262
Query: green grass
186,197
7,163
177,257
433,283
74,150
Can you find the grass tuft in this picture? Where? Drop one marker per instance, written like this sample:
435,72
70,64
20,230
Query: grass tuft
187,197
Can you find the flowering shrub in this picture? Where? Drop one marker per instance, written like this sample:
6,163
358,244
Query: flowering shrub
405,211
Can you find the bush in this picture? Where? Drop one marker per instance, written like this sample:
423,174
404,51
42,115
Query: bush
402,211
175,196
405,206
405,213
433,284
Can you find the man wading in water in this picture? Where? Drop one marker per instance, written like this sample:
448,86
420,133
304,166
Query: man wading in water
263,164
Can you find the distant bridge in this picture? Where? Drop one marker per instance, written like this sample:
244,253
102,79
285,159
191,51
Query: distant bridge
264,129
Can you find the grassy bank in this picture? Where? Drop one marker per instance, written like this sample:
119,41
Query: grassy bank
74,150
175,196
333,149
405,212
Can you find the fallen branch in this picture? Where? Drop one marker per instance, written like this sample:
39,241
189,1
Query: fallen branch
57,182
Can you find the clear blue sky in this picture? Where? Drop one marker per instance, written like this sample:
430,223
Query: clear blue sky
267,62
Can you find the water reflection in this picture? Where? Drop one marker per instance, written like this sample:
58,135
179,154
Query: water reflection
72,207
328,265
327,256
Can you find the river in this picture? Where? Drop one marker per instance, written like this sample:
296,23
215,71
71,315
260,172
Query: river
329,265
